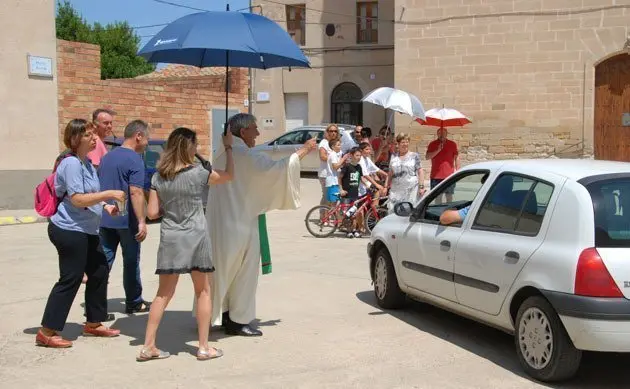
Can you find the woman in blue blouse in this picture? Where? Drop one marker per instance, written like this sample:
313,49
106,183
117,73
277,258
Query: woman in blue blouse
73,230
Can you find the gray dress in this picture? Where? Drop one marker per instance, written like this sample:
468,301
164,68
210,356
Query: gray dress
184,238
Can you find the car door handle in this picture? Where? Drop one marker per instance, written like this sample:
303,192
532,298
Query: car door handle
512,257
445,244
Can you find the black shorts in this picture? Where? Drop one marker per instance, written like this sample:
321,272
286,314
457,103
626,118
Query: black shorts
348,200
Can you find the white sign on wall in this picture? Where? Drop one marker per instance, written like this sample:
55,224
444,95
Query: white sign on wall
39,66
262,96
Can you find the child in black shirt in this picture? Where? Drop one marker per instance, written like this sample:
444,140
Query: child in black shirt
350,176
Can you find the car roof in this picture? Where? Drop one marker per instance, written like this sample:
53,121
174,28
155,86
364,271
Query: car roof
318,127
573,169
118,141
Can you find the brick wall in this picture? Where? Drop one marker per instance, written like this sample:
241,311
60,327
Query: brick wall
164,103
523,70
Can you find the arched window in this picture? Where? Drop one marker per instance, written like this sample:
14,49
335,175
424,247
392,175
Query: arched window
345,103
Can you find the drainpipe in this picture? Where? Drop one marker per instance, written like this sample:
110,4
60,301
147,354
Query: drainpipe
250,79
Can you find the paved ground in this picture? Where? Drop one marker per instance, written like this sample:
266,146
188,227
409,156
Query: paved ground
317,310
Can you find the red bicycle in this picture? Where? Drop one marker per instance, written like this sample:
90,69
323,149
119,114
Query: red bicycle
323,220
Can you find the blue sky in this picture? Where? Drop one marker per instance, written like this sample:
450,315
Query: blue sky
146,12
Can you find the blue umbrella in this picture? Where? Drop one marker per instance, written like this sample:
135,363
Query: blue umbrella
224,39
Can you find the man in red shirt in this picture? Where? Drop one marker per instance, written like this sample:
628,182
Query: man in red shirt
444,158
103,119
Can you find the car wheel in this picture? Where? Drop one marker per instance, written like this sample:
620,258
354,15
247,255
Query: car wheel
543,346
386,289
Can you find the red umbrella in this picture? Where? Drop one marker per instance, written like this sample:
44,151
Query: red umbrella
444,117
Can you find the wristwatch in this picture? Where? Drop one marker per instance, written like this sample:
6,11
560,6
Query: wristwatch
228,148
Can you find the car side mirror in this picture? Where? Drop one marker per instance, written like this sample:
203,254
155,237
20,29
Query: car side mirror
275,144
403,209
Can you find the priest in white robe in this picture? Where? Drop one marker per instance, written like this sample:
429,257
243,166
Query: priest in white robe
260,185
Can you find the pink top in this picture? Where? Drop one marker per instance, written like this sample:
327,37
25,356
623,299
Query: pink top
96,154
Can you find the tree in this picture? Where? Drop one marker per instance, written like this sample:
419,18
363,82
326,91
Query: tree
119,43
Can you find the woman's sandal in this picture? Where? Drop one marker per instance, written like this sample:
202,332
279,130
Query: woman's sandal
147,355
204,355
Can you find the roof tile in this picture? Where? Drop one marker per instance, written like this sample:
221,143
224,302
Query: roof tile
183,71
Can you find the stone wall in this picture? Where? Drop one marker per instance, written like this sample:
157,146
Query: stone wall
164,103
522,70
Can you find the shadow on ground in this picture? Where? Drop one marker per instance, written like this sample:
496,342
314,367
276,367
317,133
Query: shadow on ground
177,328
598,370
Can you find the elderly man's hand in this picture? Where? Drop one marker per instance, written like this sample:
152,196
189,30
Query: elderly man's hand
227,138
311,144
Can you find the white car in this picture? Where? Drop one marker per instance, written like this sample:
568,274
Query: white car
286,144
543,253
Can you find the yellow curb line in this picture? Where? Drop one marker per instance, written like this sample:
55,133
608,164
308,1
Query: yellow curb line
12,220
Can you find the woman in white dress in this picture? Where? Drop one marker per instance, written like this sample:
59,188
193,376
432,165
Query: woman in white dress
405,174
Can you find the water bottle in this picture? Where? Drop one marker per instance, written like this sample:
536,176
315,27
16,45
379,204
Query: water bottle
351,211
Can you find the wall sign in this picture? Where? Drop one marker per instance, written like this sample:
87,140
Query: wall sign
262,96
625,119
39,66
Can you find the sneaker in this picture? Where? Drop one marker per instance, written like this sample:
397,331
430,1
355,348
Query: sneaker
357,234
350,235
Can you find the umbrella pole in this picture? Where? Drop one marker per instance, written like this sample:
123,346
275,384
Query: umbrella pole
227,81
227,90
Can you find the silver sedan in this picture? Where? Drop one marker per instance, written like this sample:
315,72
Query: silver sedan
288,143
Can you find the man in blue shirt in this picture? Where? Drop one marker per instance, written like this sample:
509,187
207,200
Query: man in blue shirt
123,169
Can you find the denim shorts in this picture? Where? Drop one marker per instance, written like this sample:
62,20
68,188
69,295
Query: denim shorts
332,193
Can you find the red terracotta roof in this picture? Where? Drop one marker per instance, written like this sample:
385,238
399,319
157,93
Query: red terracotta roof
183,71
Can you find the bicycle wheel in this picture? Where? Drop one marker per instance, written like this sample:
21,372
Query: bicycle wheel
371,219
321,227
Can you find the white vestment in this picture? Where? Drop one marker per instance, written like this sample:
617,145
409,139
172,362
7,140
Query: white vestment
260,185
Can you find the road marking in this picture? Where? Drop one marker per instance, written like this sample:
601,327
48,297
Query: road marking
7,220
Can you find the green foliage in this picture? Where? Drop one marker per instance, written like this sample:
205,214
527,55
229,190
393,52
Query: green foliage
119,43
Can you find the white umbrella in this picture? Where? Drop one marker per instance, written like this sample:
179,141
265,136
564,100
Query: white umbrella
396,100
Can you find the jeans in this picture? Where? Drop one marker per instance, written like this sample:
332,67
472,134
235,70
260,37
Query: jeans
110,238
78,253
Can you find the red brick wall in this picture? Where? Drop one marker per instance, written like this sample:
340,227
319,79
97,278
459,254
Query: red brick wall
165,104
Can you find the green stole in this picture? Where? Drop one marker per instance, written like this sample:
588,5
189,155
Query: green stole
265,252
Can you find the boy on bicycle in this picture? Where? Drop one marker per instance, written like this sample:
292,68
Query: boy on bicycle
350,177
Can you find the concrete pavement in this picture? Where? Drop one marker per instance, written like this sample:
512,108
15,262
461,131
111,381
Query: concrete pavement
317,311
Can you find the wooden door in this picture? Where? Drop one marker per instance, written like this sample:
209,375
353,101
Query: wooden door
612,101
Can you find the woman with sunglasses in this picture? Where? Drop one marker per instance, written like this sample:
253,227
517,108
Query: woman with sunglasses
176,194
331,132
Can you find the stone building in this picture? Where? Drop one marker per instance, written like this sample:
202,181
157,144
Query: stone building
350,45
539,78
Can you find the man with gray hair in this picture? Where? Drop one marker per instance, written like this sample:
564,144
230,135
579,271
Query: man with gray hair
123,169
260,185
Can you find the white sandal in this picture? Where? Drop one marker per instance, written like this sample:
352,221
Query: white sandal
147,355
204,355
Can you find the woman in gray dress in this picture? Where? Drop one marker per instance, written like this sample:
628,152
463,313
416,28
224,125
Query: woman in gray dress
176,195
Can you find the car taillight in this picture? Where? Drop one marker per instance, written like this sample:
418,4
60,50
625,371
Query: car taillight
592,277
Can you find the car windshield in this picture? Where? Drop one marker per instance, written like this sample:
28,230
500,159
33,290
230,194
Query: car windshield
611,207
